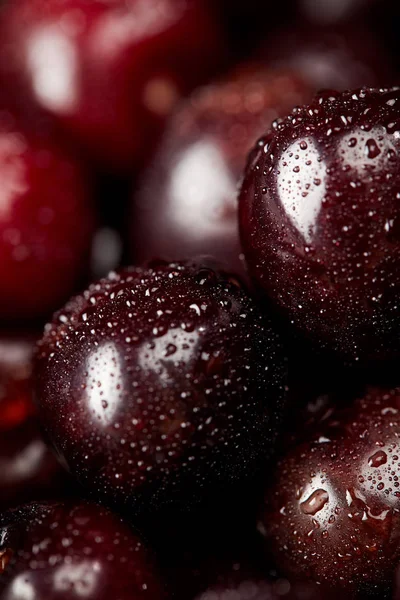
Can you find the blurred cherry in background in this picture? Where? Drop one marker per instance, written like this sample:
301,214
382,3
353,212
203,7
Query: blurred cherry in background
110,72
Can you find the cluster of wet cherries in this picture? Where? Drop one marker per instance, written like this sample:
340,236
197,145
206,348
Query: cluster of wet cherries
216,416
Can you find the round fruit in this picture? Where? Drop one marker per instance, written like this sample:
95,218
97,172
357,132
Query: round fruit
110,72
68,552
320,216
187,203
155,386
28,469
46,223
332,513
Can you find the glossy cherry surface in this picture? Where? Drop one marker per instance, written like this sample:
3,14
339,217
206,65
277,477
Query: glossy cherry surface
320,216
46,223
109,71
157,385
332,511
187,203
28,469
73,551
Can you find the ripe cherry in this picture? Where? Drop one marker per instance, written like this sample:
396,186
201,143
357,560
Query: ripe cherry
331,511
72,551
28,469
110,72
158,386
320,215
46,223
187,203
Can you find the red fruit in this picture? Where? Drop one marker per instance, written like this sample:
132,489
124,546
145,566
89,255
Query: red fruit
187,202
338,58
320,217
46,224
69,552
331,512
109,71
158,386
28,469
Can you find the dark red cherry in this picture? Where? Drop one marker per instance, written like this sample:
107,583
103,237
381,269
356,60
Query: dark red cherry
332,509
110,72
186,204
28,469
158,386
72,551
46,223
337,58
320,220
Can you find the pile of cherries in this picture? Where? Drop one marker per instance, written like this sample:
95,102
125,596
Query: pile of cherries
217,415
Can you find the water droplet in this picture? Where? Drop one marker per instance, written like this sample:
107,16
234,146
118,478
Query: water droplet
372,149
170,350
315,502
377,459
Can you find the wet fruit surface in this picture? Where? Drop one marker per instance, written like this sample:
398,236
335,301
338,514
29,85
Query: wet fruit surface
67,552
28,469
109,72
319,213
46,223
187,203
332,511
155,384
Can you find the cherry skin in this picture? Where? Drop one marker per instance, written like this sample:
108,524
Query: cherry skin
320,215
28,469
187,202
332,511
70,551
110,72
46,223
157,386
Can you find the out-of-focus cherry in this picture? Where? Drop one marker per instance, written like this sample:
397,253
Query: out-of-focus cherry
72,551
109,71
28,469
186,205
338,58
46,223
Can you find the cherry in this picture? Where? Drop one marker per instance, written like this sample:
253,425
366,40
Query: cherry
331,512
46,222
109,71
71,551
339,58
28,470
320,217
186,204
159,386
